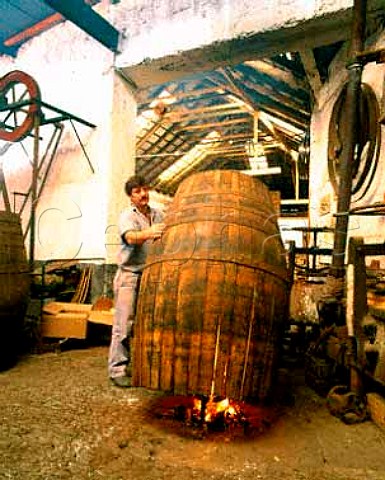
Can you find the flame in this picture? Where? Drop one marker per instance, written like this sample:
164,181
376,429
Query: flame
224,408
215,411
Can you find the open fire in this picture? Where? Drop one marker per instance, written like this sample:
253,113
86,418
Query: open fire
215,413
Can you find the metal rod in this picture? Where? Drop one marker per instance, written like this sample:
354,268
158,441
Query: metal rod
82,147
15,106
39,188
50,142
35,171
347,155
68,116
215,359
35,101
252,314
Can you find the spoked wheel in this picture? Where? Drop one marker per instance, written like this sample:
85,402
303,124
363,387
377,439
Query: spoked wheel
18,106
368,141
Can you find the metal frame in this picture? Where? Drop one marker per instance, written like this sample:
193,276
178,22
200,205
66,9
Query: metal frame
42,118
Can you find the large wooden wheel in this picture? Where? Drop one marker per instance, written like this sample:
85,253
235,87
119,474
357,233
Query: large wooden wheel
19,96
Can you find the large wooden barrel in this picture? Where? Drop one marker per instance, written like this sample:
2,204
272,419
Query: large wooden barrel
14,287
214,292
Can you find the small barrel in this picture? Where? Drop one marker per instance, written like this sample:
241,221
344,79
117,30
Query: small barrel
14,287
214,292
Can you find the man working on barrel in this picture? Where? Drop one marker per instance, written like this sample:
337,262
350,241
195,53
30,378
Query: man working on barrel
139,225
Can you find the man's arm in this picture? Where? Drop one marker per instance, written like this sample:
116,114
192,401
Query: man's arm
137,237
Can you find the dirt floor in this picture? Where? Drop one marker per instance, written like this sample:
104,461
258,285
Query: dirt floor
62,419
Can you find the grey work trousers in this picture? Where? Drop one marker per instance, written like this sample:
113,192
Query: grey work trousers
126,286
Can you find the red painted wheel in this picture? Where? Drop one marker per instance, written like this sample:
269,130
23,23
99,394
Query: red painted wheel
18,90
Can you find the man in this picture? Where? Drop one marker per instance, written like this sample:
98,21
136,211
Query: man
139,226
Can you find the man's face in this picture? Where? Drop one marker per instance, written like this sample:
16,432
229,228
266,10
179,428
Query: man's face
140,196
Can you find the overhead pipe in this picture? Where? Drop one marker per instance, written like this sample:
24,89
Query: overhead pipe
354,67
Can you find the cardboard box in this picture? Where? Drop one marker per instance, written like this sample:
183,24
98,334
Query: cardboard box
104,317
64,325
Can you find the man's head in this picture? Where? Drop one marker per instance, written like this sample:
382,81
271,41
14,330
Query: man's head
137,189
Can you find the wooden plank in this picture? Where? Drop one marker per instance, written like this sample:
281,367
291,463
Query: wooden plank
64,325
311,69
279,73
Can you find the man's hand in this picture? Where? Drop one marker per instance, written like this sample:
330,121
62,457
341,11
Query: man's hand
156,230
137,237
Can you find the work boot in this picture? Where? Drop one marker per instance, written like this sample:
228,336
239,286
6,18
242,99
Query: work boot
122,382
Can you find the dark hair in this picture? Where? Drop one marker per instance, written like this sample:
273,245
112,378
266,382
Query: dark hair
134,182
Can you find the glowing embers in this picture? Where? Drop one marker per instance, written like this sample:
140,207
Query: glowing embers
206,414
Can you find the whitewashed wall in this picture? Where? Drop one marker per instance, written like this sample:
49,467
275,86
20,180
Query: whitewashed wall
323,199
74,74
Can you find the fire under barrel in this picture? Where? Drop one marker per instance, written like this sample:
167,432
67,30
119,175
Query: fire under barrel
214,292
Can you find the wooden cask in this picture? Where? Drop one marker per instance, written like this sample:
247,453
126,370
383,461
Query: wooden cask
214,292
14,287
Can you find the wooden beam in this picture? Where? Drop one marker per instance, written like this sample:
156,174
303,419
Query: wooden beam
83,16
227,150
264,101
11,51
203,126
279,73
216,115
143,94
273,131
226,72
312,72
37,28
279,99
147,134
284,125
205,110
